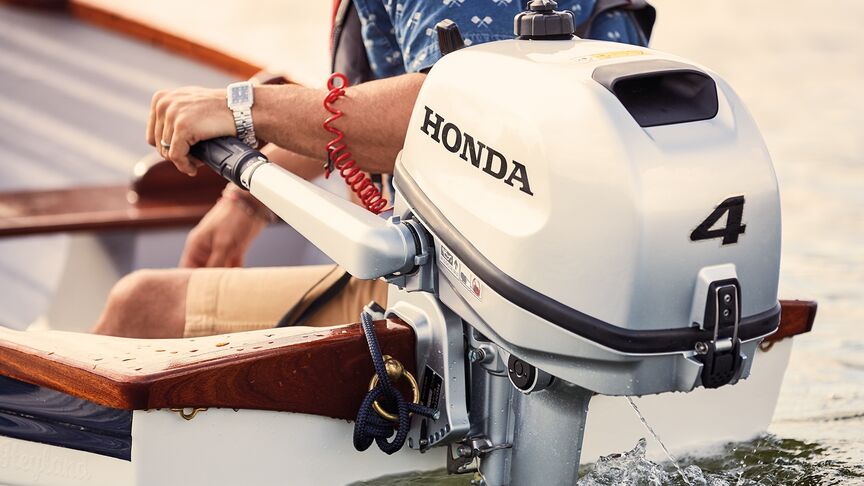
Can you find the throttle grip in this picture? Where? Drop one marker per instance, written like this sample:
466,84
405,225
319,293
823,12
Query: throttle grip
228,157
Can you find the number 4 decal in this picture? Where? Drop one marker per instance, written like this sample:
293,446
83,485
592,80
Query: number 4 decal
734,206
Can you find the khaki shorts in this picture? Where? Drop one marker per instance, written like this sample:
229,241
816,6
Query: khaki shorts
224,300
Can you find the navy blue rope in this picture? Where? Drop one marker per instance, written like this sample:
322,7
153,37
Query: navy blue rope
371,427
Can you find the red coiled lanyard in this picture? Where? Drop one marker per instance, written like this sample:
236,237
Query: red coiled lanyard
338,156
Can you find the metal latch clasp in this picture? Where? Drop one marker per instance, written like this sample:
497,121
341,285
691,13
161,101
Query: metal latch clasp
721,357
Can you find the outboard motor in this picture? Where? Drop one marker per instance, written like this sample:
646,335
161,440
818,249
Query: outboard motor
573,217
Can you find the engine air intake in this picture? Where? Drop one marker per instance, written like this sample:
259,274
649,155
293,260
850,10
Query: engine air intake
660,92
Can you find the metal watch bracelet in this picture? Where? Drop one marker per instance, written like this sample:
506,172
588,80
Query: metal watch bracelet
244,126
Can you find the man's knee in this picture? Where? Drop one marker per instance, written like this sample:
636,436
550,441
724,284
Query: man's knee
131,290
146,303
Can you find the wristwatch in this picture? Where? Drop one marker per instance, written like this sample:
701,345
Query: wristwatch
240,99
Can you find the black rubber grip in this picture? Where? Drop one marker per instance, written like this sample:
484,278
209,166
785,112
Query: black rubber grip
227,156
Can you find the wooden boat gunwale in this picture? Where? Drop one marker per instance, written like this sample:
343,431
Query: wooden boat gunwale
320,371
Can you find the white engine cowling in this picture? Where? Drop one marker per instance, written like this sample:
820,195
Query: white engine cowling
586,198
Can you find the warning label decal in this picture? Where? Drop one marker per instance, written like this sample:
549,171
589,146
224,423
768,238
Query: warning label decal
432,385
462,273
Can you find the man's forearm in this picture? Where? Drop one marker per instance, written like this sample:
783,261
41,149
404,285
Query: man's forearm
375,121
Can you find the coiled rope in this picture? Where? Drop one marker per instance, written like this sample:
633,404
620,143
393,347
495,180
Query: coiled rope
372,427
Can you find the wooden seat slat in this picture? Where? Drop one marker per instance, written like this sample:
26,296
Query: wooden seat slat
160,197
94,209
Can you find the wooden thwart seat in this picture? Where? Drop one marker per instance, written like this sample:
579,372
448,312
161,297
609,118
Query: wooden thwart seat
321,371
159,197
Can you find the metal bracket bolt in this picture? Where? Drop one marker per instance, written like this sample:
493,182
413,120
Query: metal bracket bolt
467,450
476,355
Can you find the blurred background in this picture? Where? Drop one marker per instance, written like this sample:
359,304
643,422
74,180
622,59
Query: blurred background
75,96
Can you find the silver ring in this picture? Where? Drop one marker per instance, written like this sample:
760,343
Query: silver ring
165,146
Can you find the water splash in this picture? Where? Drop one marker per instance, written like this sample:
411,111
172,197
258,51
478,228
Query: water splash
624,469
669,455
633,469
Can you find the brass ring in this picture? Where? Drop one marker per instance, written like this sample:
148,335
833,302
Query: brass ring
190,415
415,389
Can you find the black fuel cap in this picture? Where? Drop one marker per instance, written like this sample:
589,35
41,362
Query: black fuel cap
542,22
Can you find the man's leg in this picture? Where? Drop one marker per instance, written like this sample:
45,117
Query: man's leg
146,304
198,302
345,306
223,300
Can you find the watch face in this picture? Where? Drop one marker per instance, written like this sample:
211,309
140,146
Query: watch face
241,94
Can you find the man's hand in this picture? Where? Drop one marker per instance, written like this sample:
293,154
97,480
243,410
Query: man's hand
185,116
223,235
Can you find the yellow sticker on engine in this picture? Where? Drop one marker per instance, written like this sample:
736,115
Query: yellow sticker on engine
613,54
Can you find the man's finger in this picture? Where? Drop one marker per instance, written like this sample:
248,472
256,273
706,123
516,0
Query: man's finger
179,155
186,260
159,125
195,257
151,120
218,258
167,137
194,253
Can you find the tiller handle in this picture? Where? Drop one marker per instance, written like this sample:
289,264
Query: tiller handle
364,244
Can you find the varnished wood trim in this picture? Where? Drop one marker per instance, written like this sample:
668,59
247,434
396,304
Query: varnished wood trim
38,4
39,369
159,180
98,209
325,372
796,317
154,35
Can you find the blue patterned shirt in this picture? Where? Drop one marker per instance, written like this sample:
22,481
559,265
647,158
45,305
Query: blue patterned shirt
400,35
